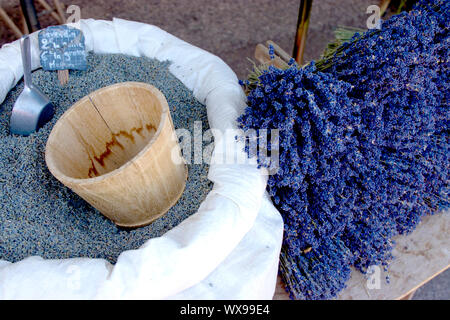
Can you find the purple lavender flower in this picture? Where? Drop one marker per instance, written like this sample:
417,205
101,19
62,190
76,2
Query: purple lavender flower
364,147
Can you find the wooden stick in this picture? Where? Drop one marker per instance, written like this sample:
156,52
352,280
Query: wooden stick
302,29
278,51
262,56
60,10
384,4
63,77
51,10
10,23
24,25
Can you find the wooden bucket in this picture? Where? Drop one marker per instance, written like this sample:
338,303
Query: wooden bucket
117,149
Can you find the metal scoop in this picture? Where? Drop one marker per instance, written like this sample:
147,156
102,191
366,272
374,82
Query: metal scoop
32,108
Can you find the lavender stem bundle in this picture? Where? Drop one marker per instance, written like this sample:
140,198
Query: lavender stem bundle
364,147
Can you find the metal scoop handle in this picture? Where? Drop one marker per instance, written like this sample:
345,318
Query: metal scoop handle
26,60
32,108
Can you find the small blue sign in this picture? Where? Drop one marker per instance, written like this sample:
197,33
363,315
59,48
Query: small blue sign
62,48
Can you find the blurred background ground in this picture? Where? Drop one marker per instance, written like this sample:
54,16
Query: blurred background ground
231,29
228,28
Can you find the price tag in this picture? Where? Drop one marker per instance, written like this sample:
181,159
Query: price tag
62,48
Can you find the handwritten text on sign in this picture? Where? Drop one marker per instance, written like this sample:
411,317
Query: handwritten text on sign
62,48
